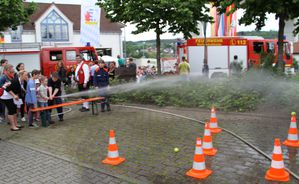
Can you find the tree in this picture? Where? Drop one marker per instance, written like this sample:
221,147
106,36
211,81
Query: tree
256,13
13,13
174,16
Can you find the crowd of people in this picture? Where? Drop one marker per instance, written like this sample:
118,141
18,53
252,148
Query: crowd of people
22,91
146,72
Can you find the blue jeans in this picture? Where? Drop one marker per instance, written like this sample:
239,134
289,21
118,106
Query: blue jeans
48,115
30,114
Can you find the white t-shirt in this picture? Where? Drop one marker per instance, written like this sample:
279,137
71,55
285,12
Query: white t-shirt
6,96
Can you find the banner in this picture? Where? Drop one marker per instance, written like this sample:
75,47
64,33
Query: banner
90,23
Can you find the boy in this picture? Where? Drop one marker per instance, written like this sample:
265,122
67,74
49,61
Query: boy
54,84
30,98
101,80
42,100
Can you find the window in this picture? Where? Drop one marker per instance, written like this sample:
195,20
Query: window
71,55
88,55
258,47
16,35
270,47
54,28
104,51
55,55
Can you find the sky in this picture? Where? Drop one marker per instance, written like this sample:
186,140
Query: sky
271,24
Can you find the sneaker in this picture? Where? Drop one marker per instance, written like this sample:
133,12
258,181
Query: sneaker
109,109
23,119
33,126
84,110
61,119
37,120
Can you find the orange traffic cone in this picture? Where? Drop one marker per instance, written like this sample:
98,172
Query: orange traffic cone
293,134
199,170
214,122
207,145
277,171
113,156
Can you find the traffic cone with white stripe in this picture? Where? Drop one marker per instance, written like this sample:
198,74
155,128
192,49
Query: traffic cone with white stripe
293,134
207,145
214,122
113,155
199,169
277,171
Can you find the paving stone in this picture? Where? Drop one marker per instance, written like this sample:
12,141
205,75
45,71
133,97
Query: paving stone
37,170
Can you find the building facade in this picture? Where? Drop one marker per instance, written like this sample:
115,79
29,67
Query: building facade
59,25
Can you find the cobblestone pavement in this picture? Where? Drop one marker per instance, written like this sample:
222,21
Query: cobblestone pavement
146,140
258,129
19,165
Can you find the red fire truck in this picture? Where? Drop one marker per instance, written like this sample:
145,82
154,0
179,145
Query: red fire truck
221,51
46,59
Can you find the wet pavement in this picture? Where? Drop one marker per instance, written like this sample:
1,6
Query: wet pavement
147,139
20,165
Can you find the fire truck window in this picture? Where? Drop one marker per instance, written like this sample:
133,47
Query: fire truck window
286,50
55,55
258,47
71,55
270,48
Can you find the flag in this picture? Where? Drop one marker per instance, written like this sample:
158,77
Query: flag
214,26
90,23
221,27
234,24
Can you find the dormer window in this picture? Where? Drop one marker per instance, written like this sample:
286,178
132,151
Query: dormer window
54,28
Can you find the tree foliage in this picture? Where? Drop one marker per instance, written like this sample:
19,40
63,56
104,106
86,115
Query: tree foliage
162,16
14,13
256,13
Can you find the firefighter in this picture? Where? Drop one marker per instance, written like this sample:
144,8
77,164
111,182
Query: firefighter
82,75
101,82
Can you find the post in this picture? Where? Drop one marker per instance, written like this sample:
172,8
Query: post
143,50
205,41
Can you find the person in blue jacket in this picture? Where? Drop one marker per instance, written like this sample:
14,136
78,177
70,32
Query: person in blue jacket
101,81
30,97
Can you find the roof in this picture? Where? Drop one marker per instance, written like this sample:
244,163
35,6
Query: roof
296,48
72,12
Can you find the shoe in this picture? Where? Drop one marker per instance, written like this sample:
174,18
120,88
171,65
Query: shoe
20,126
61,119
108,109
23,119
52,122
15,129
84,110
33,126
37,120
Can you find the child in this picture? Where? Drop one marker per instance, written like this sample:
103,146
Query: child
42,100
37,84
70,78
101,80
30,97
